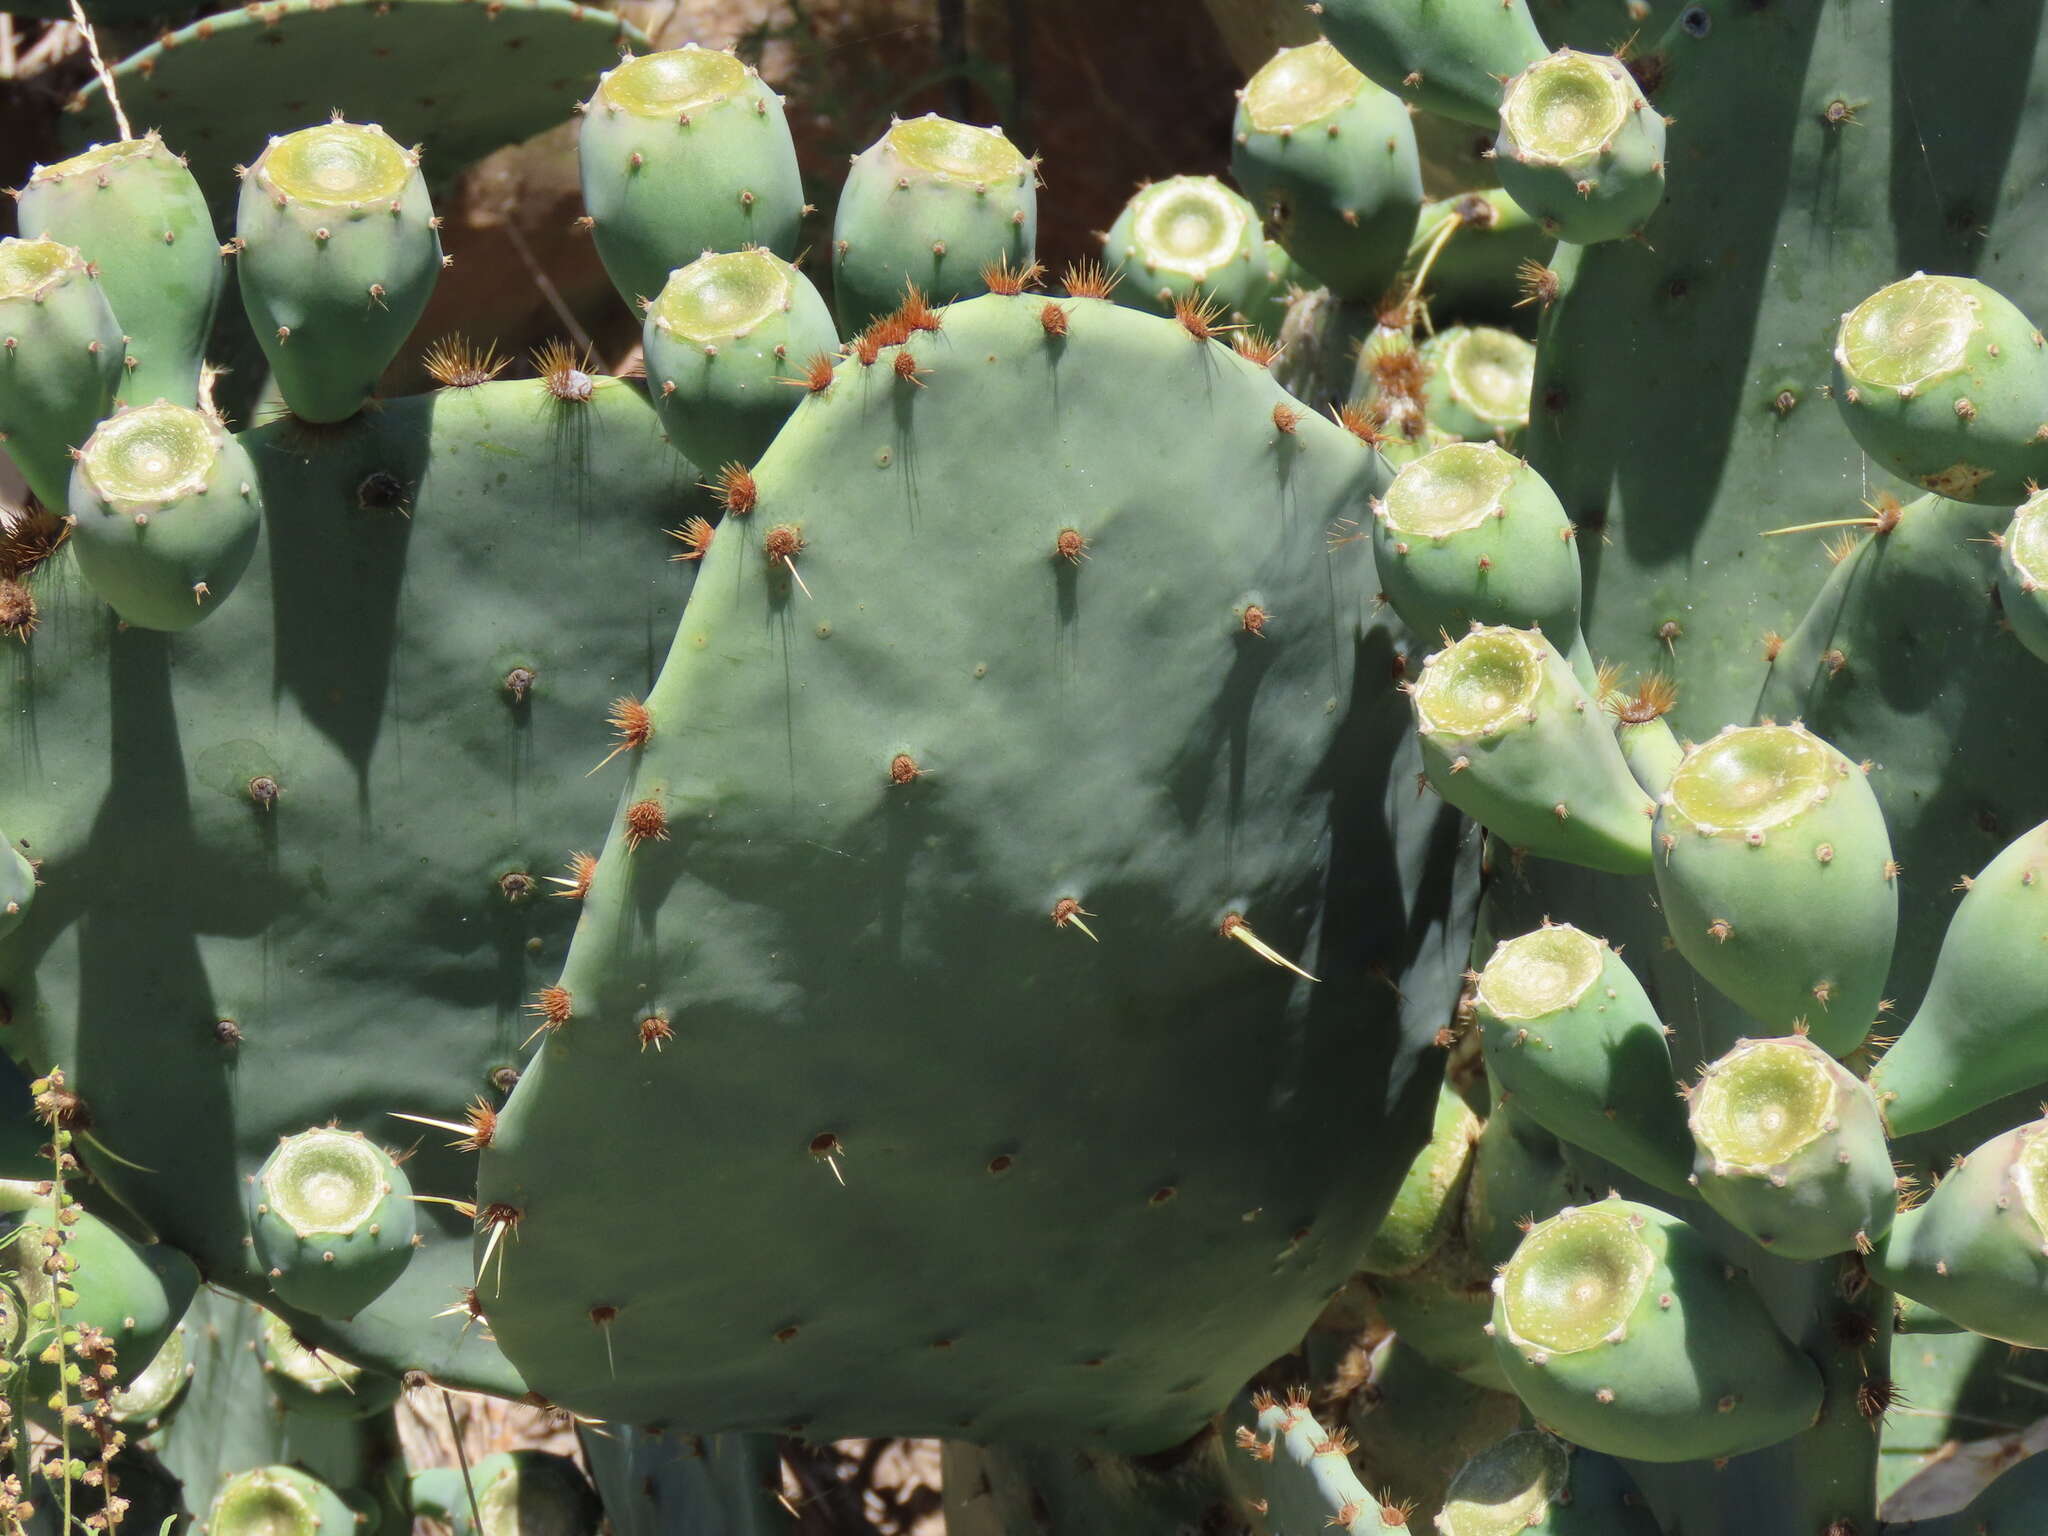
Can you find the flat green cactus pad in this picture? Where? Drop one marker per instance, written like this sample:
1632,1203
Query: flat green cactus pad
457,77
303,848
839,1079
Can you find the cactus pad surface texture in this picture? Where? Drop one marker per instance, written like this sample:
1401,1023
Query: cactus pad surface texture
1374,864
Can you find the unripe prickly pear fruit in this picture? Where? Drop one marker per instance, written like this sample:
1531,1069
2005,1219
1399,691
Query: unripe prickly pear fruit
60,360
1478,383
1622,1328
1469,534
1510,737
683,152
1191,236
333,1221
1981,1031
1944,382
1776,877
276,1501
1580,148
1569,1032
166,514
315,1382
722,344
2023,574
339,252
931,203
1329,159
1425,1208
156,1389
135,211
1791,1149
1535,1482
1977,1249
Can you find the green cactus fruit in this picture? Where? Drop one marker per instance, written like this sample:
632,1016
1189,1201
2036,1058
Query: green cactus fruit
60,361
1417,1424
1623,1329
1569,1033
1190,238
518,1493
1942,382
1446,56
1776,878
315,1382
134,211
1981,1032
1391,380
1510,737
165,514
1533,1481
1468,534
730,336
1641,728
1791,1149
18,879
134,1294
1478,382
1305,1472
1580,148
2023,572
932,204
684,152
1481,269
1329,159
339,250
1426,1206
333,1221
276,1501
155,1390
1189,610
1976,1249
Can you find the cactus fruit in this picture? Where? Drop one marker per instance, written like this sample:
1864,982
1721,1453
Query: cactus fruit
1510,737
134,210
1977,1248
60,360
1620,1327
1569,1032
132,1294
1941,381
276,1501
1791,1149
315,1382
932,204
1533,1481
1190,238
685,152
1777,881
2022,571
339,250
165,514
1978,1034
1329,159
1478,382
725,342
1580,148
1425,1208
1446,56
333,1221
154,1390
1468,534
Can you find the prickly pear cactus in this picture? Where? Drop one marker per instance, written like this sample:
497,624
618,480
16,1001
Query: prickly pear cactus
912,874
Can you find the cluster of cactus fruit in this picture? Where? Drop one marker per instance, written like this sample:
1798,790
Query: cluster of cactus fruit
1272,887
